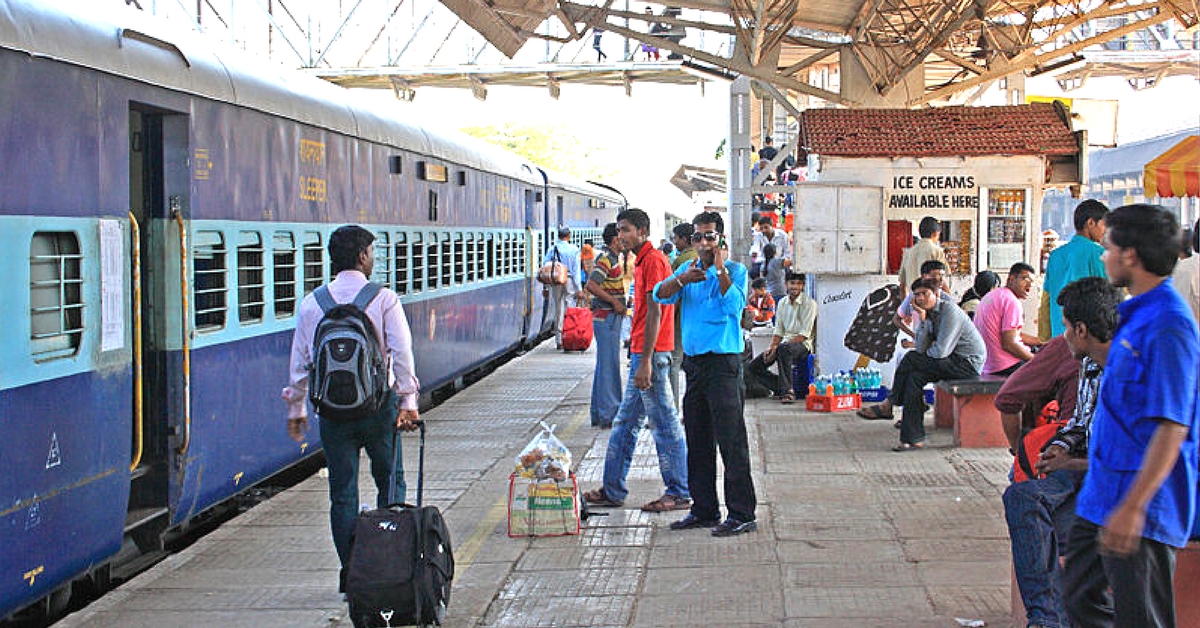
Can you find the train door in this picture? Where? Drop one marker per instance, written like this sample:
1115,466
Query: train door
159,177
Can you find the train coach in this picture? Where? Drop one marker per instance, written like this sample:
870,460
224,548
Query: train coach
164,206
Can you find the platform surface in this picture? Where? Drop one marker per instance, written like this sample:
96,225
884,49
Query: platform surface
850,533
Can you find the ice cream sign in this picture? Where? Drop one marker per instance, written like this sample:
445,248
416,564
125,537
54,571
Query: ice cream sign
932,191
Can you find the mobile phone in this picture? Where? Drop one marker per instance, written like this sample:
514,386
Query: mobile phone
721,242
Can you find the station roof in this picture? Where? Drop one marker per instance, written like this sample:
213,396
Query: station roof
958,44
1034,129
692,180
478,77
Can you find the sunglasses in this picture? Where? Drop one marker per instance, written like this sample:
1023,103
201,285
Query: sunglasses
711,236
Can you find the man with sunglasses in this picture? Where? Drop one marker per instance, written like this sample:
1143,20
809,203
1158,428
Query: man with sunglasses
711,292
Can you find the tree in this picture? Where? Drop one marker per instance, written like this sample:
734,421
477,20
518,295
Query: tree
553,147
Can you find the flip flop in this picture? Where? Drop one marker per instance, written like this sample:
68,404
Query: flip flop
873,413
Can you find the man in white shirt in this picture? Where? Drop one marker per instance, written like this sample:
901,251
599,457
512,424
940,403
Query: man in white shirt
927,248
795,317
352,259
566,254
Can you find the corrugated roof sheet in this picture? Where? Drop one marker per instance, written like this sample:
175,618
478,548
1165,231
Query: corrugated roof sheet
1034,129
1129,159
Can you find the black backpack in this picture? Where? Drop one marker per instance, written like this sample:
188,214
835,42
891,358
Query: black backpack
348,376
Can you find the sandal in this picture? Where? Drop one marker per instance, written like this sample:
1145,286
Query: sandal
787,397
667,503
903,447
874,413
597,497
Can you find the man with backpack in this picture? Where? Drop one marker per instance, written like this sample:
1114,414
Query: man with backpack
352,358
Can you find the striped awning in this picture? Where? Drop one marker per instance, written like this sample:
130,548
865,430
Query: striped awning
1175,172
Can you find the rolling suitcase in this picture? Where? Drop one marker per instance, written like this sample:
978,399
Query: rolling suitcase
577,329
401,563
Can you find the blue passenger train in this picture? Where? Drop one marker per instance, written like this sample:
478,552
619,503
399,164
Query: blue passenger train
164,207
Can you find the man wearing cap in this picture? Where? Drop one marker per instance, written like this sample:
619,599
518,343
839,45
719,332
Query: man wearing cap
566,254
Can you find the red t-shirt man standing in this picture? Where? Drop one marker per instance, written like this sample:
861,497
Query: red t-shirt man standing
648,391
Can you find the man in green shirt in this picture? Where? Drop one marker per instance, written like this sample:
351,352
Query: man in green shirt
1076,259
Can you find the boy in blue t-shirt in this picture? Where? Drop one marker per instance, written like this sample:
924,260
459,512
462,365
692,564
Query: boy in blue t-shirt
1138,500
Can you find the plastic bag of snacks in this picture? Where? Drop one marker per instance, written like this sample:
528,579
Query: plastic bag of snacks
545,457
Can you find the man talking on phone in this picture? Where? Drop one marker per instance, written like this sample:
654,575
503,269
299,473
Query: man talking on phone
711,293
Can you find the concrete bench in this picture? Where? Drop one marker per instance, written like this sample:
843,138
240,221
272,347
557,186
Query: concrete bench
1187,589
967,406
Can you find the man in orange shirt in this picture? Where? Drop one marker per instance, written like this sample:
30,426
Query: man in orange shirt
648,392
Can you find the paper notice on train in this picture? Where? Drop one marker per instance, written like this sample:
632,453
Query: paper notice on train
112,286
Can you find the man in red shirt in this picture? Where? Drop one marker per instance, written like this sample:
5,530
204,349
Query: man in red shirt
648,391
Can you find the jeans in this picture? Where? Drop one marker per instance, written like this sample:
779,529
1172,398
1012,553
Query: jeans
908,388
606,379
1142,585
1040,514
342,441
712,418
786,355
654,404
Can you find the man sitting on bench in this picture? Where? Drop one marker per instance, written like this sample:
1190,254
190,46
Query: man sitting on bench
1040,510
947,347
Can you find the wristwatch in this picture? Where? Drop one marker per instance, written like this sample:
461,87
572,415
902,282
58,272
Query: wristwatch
721,271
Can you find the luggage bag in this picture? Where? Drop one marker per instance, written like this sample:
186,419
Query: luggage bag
577,329
401,562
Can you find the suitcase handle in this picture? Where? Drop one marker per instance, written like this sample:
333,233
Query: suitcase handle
396,462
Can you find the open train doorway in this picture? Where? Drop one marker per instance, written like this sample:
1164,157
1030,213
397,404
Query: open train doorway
158,183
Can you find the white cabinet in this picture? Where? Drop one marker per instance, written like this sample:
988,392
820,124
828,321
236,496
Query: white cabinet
838,229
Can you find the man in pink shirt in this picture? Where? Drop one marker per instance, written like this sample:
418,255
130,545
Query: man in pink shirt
999,319
352,259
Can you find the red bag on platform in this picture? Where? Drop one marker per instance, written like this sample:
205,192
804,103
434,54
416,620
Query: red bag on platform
577,329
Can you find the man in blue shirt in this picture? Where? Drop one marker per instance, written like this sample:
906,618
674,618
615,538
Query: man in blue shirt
1076,259
567,254
711,292
1139,496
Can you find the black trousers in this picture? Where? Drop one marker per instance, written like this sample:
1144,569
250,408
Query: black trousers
908,387
787,354
1143,594
712,418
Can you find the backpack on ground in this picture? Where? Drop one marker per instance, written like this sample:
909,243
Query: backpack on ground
348,377
401,560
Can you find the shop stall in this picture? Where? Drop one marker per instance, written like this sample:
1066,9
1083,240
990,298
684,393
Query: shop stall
873,174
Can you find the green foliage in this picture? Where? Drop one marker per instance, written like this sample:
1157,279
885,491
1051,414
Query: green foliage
553,147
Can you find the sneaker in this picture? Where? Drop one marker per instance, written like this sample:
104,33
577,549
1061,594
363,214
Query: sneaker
731,527
690,521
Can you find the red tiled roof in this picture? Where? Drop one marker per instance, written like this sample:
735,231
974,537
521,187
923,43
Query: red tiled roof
1034,129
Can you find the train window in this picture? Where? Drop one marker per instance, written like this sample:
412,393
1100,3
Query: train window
460,258
434,277
418,263
208,280
250,274
490,268
521,240
447,267
382,273
55,295
433,206
284,274
401,264
314,262
477,258
510,254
